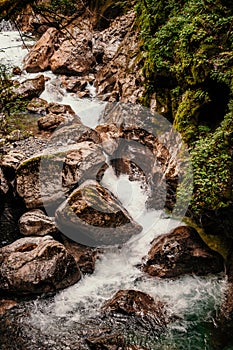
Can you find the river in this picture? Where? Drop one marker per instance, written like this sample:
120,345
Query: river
60,320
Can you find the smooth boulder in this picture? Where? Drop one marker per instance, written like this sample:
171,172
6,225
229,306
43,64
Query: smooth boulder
44,180
94,217
35,265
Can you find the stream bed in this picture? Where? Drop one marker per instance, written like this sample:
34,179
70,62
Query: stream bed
65,320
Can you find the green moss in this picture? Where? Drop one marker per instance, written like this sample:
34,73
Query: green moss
222,245
188,50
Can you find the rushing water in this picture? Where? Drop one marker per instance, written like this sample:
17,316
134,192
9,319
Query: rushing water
193,301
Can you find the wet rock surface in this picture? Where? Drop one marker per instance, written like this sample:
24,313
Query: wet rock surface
139,304
84,256
93,216
36,223
36,265
180,252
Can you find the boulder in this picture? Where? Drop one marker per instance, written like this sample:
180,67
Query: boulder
37,105
29,88
73,58
149,141
180,252
46,178
84,256
51,121
35,265
38,58
10,163
36,223
136,303
57,108
94,217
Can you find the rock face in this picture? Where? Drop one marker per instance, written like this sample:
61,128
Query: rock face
30,88
44,179
39,56
36,223
111,54
119,77
136,303
93,216
181,252
36,265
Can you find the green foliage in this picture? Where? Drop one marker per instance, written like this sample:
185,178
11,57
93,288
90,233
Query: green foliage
65,7
188,50
12,119
213,166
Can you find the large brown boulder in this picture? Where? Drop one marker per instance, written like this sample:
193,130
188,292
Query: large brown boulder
180,252
93,216
73,57
34,265
38,59
46,178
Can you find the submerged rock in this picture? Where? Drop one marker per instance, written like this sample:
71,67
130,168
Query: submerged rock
36,223
93,216
180,252
135,303
35,265
107,342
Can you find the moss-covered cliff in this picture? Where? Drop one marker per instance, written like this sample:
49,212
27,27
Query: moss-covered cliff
188,48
